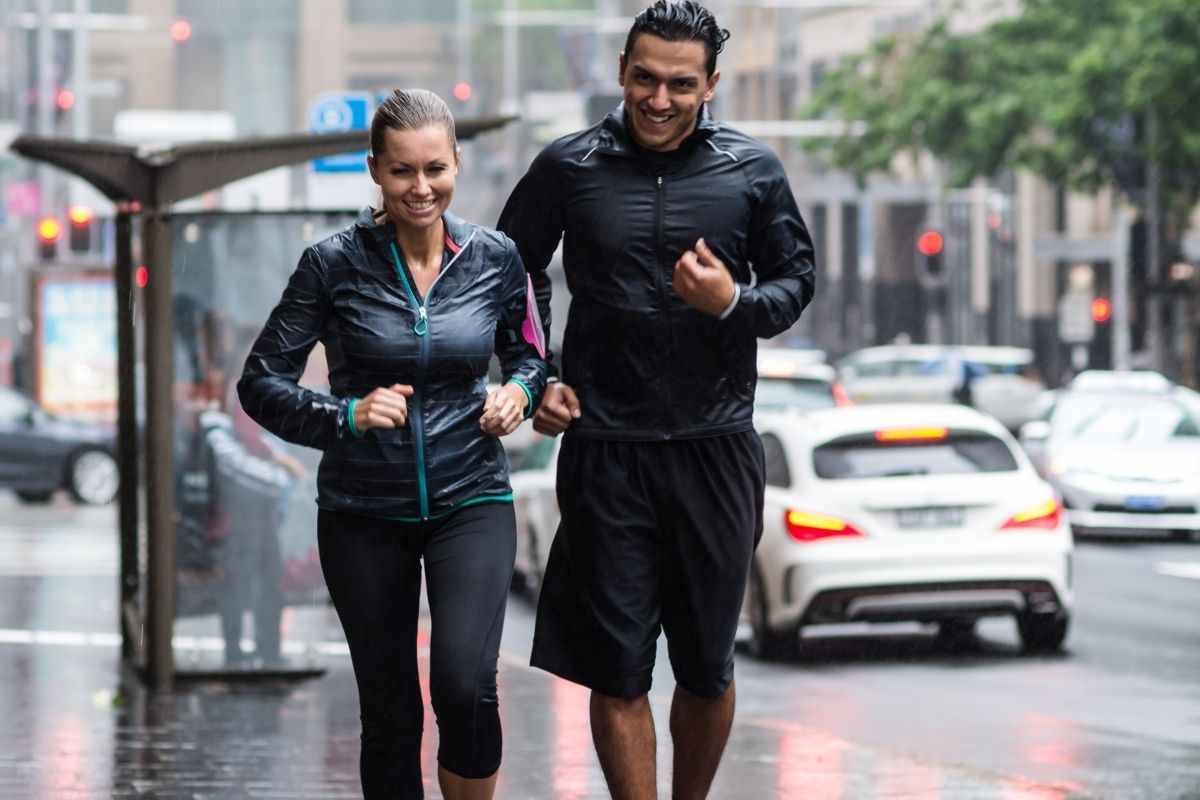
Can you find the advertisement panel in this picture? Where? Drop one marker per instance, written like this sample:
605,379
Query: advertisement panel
76,345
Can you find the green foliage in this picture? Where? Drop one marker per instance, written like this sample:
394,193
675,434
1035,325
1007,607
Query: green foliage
1064,89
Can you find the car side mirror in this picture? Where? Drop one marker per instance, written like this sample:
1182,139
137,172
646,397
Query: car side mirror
1035,431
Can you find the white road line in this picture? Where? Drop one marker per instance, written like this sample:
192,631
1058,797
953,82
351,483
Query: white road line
1179,569
203,643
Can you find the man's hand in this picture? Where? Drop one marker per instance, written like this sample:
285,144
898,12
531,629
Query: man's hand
383,408
702,280
503,410
559,408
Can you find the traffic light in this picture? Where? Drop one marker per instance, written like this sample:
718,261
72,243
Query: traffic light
461,91
49,231
1101,310
79,239
931,244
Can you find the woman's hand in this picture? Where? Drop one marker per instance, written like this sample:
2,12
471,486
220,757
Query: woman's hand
383,408
503,410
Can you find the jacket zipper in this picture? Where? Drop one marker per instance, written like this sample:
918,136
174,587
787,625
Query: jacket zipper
421,329
415,418
663,300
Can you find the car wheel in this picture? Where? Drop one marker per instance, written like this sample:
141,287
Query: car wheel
765,642
1043,633
92,478
36,498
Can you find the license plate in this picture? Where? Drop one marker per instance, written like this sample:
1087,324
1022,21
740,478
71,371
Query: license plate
936,517
1144,503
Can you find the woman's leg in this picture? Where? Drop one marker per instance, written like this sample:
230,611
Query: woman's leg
468,564
373,571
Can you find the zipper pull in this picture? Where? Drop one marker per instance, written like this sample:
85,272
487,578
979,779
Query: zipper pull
422,325
660,181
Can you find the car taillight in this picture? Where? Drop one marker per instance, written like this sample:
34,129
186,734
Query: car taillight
805,527
904,435
1045,516
840,396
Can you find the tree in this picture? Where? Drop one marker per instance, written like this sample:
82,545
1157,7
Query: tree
1067,88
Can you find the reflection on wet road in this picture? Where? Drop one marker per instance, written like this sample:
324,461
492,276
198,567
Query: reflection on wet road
1117,717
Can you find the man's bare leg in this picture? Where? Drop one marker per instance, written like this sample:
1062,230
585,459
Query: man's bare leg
623,732
699,729
456,787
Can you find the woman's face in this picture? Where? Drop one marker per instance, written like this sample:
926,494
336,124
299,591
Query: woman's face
415,171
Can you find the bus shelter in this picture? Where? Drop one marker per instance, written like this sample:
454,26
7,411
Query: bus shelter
189,566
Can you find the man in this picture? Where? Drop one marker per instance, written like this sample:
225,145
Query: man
682,245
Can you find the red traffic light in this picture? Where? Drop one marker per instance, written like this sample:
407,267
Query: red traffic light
64,99
49,230
141,276
1101,310
180,30
462,91
930,243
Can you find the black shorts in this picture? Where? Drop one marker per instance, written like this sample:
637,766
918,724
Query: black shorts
653,536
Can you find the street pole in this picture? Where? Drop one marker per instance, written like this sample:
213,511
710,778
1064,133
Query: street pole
935,218
1154,303
1120,291
81,81
463,65
45,96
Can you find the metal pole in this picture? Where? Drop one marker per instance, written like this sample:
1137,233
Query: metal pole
45,98
1120,291
160,468
463,65
82,80
1154,304
129,620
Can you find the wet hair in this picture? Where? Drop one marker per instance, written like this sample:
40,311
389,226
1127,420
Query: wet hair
680,21
407,110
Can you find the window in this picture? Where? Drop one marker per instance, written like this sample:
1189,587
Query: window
389,12
960,454
778,473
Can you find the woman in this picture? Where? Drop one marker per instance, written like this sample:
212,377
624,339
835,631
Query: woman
410,303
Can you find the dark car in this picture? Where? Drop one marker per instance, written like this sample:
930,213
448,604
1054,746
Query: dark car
40,452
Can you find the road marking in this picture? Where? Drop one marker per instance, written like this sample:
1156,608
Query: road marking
203,643
1179,569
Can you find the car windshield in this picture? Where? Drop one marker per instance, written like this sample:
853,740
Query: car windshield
1130,419
806,394
958,454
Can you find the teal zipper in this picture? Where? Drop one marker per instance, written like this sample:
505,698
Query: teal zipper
415,418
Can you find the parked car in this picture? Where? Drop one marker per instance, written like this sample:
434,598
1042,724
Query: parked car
533,458
1123,451
40,453
995,380
918,512
796,379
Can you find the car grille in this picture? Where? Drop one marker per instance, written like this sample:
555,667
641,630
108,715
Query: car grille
1114,508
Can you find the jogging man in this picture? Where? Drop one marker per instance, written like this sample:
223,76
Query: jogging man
682,246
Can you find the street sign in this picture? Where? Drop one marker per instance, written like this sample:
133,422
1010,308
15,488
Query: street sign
1075,323
338,112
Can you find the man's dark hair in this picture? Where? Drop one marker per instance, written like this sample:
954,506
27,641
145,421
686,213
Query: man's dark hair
680,21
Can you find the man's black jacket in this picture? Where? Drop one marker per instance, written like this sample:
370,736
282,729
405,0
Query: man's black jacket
646,366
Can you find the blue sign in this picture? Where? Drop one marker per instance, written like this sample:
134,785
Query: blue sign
338,112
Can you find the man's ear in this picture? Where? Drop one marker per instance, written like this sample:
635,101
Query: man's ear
712,85
621,68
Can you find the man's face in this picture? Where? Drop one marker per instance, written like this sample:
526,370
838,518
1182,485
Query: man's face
665,84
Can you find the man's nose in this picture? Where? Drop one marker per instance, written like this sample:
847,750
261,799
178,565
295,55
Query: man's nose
661,99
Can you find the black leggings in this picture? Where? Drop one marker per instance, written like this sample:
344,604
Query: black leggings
373,570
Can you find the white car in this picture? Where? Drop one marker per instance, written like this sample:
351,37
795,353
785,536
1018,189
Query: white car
533,463
790,379
1123,451
918,512
989,378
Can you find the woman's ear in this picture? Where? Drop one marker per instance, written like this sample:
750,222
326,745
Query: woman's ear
371,168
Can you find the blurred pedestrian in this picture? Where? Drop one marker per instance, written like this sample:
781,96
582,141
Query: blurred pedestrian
410,303
682,245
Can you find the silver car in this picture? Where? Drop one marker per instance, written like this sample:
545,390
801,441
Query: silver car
1123,451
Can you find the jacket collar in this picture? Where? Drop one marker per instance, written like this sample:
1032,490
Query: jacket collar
613,135
383,232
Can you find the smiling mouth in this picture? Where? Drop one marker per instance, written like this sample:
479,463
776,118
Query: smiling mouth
657,119
419,206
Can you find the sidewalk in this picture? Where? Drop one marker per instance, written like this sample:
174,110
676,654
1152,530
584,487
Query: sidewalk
77,726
